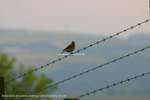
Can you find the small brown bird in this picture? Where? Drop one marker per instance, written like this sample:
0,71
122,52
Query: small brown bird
69,48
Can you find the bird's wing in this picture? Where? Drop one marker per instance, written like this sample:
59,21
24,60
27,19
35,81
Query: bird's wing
69,46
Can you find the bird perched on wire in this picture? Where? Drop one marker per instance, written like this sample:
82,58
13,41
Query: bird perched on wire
69,48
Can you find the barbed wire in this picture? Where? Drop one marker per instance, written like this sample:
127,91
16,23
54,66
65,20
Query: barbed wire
77,51
113,85
97,67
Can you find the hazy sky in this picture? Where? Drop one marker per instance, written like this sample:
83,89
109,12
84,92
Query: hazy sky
73,15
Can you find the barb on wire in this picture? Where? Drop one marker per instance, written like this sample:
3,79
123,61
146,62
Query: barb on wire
113,85
97,67
84,48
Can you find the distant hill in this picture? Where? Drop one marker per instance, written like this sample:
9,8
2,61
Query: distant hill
38,48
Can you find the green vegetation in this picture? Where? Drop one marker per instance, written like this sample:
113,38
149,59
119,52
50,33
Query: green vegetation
30,84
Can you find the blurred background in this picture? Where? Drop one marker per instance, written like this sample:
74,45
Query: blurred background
33,32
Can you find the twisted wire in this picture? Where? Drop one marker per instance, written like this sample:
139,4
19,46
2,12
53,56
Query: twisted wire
77,51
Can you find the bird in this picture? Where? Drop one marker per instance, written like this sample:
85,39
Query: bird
70,48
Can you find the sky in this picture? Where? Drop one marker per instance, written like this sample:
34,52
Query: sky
86,16
78,16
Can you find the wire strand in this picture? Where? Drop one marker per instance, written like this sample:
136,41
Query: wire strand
97,67
77,51
113,85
